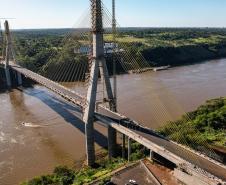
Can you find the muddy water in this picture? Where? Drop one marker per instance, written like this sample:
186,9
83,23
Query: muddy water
39,130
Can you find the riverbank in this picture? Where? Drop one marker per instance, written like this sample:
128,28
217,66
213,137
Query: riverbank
184,55
102,171
203,129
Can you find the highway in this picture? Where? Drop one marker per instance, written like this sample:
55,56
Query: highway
213,167
187,155
64,92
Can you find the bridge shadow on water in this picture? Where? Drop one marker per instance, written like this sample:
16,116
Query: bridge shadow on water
63,109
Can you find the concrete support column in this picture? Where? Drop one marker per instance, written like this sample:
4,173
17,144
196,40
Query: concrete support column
7,54
129,148
19,79
123,146
111,142
151,155
8,77
88,116
90,149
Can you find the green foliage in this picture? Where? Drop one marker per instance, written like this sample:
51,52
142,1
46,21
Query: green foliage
43,180
138,151
174,46
44,50
62,175
206,125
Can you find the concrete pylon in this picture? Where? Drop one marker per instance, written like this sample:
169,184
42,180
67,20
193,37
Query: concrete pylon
98,65
7,54
123,145
19,79
8,51
88,116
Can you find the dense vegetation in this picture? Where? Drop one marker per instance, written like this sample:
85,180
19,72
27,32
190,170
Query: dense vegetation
45,50
63,175
176,46
205,126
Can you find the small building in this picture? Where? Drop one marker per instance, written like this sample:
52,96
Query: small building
85,50
109,47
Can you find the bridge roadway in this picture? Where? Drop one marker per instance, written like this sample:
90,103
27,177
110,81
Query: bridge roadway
164,147
167,149
64,92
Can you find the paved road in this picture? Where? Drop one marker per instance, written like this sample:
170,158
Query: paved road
137,173
181,152
66,93
189,156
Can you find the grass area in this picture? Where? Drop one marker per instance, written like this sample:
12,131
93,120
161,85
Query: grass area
167,39
124,39
205,126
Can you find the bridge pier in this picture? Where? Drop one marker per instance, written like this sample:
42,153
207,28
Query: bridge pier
123,146
111,142
7,54
88,116
151,155
19,78
8,77
129,148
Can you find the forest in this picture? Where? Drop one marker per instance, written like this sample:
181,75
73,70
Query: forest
43,50
202,128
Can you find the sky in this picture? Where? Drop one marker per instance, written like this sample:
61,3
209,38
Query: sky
130,13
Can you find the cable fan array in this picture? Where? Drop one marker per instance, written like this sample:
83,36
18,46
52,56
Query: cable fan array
63,68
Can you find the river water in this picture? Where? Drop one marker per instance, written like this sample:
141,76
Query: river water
39,131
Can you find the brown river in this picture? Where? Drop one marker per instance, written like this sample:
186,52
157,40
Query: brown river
52,135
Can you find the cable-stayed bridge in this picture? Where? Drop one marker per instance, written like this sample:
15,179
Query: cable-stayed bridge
194,164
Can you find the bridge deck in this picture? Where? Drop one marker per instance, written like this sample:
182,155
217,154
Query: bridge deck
166,148
193,158
64,92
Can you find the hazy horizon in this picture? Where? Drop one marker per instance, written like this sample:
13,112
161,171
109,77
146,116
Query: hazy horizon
146,27
58,14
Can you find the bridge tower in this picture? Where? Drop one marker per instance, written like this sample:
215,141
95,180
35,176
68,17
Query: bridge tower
8,53
98,64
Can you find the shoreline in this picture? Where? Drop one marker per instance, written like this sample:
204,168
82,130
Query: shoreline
29,83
